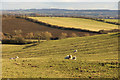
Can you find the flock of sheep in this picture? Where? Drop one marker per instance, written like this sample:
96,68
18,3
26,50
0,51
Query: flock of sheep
70,56
67,57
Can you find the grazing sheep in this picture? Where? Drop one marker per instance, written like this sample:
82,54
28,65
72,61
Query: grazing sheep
75,51
11,58
74,58
14,58
68,57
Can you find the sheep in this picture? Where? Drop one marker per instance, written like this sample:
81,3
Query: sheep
11,58
14,58
68,57
75,51
74,58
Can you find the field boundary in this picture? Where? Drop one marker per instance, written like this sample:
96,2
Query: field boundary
55,26
64,28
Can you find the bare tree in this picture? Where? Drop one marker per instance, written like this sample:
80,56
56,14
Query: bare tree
63,35
73,35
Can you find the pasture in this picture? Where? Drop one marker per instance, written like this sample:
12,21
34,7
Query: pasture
97,57
77,23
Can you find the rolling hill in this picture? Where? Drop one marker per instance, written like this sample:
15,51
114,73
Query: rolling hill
97,57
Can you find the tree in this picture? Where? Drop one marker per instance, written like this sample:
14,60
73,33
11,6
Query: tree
38,36
63,35
87,34
30,35
18,36
47,35
73,35
17,32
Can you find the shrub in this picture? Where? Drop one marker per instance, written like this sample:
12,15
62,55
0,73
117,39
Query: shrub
16,40
2,36
86,34
6,35
47,35
43,35
73,35
63,35
38,36
19,39
30,35
17,32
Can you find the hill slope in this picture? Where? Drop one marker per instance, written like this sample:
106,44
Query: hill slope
97,57
77,23
11,24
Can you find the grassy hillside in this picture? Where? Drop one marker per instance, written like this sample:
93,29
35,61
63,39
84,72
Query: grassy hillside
78,23
97,57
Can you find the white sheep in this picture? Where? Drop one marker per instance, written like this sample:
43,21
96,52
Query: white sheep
75,51
14,58
74,58
68,57
11,58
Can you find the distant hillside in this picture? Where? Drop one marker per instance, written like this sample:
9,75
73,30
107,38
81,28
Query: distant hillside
66,12
11,24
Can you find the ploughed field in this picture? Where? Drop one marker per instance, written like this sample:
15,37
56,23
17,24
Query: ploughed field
77,23
97,57
11,24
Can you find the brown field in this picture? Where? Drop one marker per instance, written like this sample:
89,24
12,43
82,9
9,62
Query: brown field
11,24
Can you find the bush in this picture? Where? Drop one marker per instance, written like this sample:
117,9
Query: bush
47,35
43,35
86,34
2,36
13,41
30,35
63,35
6,36
73,35
17,32
19,39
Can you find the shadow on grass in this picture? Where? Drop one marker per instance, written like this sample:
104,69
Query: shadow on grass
35,44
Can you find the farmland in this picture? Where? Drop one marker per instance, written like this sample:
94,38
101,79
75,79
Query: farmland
97,57
11,24
77,23
112,20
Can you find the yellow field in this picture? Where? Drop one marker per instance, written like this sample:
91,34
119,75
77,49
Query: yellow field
112,20
77,23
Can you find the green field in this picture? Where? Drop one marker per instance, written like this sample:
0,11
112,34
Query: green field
97,57
78,23
112,20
